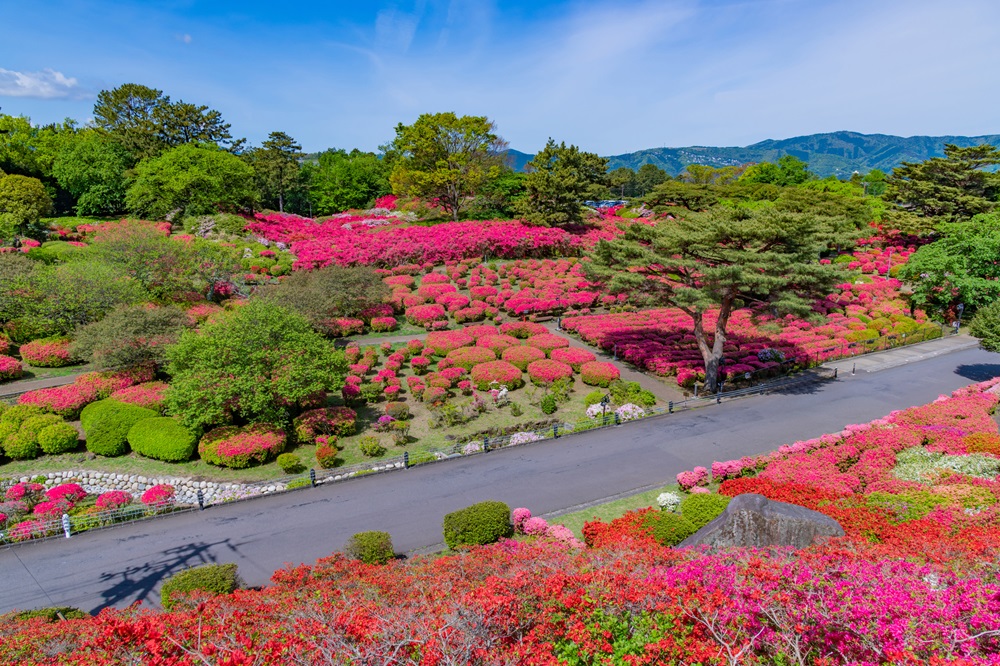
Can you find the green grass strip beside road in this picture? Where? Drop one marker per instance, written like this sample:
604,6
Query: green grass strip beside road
608,511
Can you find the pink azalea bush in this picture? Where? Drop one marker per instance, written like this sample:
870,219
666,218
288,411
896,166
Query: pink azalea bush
10,368
572,356
158,496
547,371
522,356
496,373
239,448
149,395
112,500
47,353
599,373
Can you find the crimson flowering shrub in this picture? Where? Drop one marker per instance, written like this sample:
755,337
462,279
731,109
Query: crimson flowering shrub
10,368
497,343
383,324
480,330
425,315
149,395
113,500
547,342
158,496
468,357
51,353
521,356
68,492
338,421
546,371
523,329
496,374
441,343
599,373
239,448
572,356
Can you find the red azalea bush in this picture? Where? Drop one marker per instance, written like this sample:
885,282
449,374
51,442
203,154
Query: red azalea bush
599,373
496,374
338,421
468,357
480,330
497,343
546,371
67,401
239,448
113,500
66,492
149,395
423,315
441,343
47,353
158,496
547,342
384,324
523,329
521,356
572,356
10,368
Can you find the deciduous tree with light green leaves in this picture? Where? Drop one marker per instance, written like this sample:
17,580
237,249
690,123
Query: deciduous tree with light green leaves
446,158
725,259
23,201
340,180
92,168
560,178
256,364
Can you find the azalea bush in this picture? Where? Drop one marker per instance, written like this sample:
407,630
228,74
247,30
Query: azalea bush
10,368
599,373
49,353
545,372
239,448
496,373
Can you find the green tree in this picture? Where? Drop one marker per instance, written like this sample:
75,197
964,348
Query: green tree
789,170
92,168
874,183
130,336
985,325
68,296
256,364
954,187
667,196
326,293
560,178
623,182
703,174
724,259
960,267
276,164
340,180
499,197
447,158
23,201
649,176
191,180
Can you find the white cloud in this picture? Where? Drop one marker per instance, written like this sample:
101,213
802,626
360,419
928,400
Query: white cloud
186,38
46,84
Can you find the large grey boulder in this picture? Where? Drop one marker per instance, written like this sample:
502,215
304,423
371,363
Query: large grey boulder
752,520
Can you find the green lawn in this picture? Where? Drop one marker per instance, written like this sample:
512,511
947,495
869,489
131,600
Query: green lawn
610,510
31,372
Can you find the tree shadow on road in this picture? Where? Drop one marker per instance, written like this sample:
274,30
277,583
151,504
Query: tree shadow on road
137,583
978,372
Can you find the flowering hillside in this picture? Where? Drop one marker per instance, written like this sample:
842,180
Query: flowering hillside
913,582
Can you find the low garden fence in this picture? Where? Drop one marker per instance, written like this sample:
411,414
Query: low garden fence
67,525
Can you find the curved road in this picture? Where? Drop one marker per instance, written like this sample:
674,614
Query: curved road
119,566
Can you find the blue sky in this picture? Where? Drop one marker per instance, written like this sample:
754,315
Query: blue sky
611,76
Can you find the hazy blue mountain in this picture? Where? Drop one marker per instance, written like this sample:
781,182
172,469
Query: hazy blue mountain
834,153
518,159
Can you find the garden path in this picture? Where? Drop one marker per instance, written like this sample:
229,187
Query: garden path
663,391
19,387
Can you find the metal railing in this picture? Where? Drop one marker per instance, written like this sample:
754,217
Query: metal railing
34,529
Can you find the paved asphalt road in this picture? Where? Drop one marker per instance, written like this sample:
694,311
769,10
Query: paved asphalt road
118,566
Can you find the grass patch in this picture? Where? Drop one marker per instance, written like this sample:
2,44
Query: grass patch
610,510
32,373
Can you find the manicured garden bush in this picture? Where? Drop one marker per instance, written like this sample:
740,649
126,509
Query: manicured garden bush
496,374
36,424
10,368
370,547
162,438
112,500
58,438
547,342
546,371
212,579
107,423
338,421
702,508
423,315
326,452
441,343
239,448
149,395
479,524
383,324
523,329
22,446
599,373
671,528
48,353
521,356
572,356
290,463
623,393
371,447
497,343
18,414
469,357
158,496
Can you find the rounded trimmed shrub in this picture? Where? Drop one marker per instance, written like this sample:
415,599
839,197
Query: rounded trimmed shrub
149,395
371,447
18,414
10,368
22,446
671,528
572,356
441,343
58,438
521,356
522,329
36,424
480,330
501,372
547,342
599,373
290,463
546,371
48,353
107,423
326,454
213,579
370,547
239,448
702,508
162,438
479,524
469,357
497,343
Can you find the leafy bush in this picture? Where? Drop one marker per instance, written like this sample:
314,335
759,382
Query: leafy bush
339,421
130,336
107,423
36,424
496,374
398,410
10,368
326,454
290,463
213,579
593,398
22,446
52,614
599,373
58,438
370,547
371,447
239,448
479,524
521,356
49,353
162,438
469,357
18,414
548,404
985,325
623,393
545,372
671,528
702,508
982,442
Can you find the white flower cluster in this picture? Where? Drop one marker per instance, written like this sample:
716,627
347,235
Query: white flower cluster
524,438
595,411
668,501
630,412
920,465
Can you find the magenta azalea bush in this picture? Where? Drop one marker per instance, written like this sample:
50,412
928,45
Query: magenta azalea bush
572,356
239,448
158,496
113,500
547,371
47,353
496,374
522,356
599,373
10,368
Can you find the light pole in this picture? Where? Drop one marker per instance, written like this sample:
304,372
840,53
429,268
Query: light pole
960,309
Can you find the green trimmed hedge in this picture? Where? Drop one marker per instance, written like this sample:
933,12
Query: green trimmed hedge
370,547
107,423
162,438
671,528
479,524
702,508
58,438
215,579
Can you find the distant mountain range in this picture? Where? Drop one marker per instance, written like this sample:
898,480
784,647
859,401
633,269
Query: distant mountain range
834,153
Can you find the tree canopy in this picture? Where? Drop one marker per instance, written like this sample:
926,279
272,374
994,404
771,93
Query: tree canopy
560,178
92,168
954,187
130,336
340,180
447,158
23,201
276,165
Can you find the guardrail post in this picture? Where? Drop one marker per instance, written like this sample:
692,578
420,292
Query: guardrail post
670,407
854,368
486,444
618,420
835,372
201,501
555,430
718,398
65,524
406,460
312,477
